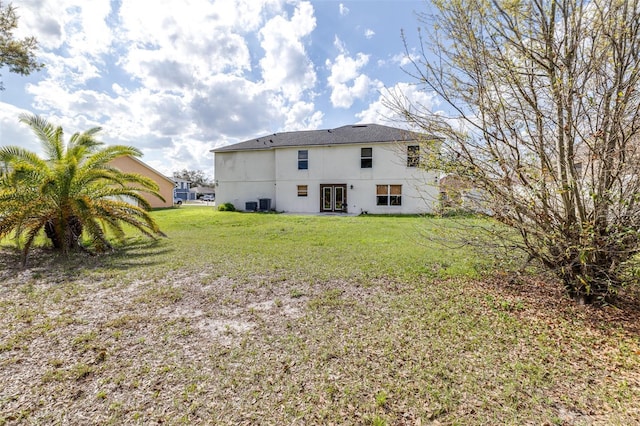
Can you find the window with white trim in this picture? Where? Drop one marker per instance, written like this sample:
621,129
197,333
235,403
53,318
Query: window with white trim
303,159
366,158
389,195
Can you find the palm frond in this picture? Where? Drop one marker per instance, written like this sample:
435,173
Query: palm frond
84,208
85,140
132,215
114,227
12,155
140,180
98,235
32,233
50,136
110,182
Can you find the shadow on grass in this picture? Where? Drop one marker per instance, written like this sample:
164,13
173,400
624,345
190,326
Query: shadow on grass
45,262
138,253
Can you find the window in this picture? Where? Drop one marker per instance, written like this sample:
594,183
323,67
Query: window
366,158
303,159
413,155
302,190
389,195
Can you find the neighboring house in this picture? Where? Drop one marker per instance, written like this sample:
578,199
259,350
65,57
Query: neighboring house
182,189
133,165
457,193
199,191
352,169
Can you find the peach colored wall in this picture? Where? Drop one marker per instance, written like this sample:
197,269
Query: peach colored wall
131,165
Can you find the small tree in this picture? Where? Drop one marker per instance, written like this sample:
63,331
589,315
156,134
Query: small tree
18,55
72,192
543,116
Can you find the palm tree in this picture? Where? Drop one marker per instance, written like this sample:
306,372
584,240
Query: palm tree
72,192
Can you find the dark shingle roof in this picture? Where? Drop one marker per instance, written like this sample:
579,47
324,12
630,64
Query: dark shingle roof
357,133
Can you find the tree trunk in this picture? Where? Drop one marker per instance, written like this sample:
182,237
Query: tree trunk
65,237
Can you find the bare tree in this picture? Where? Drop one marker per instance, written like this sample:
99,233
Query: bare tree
542,115
18,55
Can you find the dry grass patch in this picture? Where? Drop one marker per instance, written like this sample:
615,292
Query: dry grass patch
191,350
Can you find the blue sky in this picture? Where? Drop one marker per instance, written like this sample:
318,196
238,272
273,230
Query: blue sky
177,78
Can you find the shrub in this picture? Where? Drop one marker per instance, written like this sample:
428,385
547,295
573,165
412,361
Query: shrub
226,207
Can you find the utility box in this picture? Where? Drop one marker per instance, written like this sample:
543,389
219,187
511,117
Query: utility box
251,206
265,204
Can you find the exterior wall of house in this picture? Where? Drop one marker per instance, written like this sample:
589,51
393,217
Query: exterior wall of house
131,165
245,176
342,165
250,175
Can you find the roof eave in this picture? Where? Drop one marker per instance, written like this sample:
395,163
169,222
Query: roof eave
312,144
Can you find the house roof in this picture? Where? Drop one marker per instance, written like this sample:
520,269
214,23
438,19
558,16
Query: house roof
350,134
151,169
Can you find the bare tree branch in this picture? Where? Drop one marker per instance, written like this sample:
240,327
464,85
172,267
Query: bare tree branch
543,117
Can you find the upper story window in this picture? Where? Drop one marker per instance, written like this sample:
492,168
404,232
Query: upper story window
183,184
303,159
366,158
389,195
413,156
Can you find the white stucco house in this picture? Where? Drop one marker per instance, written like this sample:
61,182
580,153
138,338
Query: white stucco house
351,169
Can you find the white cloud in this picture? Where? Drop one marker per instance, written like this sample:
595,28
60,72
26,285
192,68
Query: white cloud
344,10
285,64
403,59
185,154
12,132
346,80
380,111
302,116
345,68
82,28
339,44
369,33
233,107
49,96
176,42
73,37
70,71
89,33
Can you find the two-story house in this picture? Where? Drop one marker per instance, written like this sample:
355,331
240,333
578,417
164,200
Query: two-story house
356,168
182,189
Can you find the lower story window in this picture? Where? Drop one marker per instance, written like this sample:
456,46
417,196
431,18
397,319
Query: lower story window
302,190
389,195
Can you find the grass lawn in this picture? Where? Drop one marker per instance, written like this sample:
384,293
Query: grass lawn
277,319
